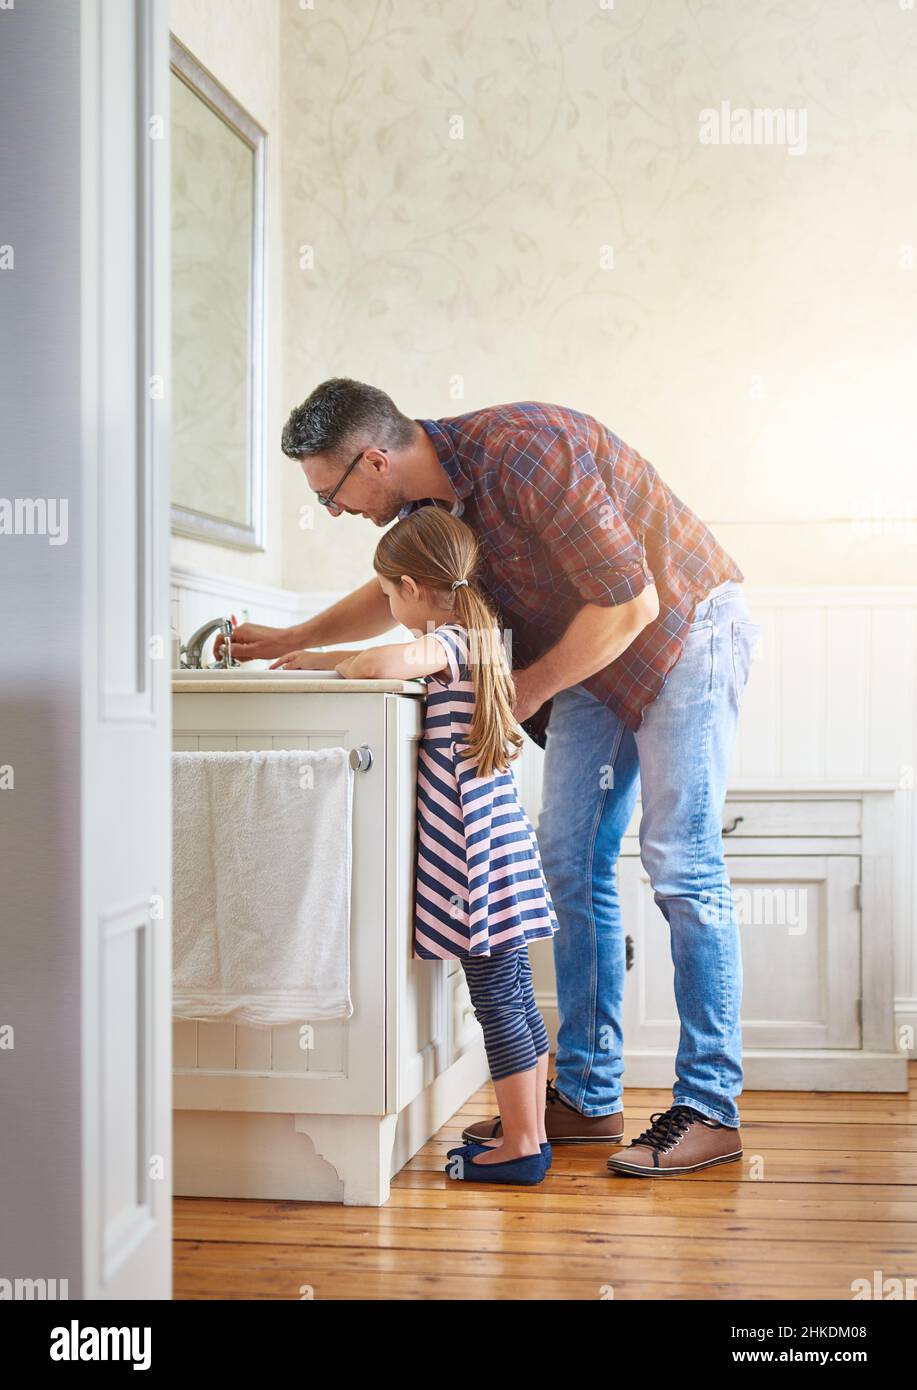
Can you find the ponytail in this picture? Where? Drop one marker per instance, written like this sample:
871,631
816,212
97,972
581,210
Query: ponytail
494,740
440,552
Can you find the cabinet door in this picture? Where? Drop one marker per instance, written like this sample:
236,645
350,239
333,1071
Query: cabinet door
800,929
329,1066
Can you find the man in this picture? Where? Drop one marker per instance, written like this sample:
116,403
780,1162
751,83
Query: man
631,646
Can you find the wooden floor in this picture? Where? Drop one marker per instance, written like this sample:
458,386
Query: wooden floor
825,1194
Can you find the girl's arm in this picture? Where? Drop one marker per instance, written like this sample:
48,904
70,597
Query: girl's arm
424,656
311,661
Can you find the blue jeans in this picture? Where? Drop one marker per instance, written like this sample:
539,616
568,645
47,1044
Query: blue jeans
680,758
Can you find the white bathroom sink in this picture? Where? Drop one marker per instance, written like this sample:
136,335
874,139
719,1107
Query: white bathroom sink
247,673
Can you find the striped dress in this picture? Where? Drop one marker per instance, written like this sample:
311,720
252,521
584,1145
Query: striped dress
480,886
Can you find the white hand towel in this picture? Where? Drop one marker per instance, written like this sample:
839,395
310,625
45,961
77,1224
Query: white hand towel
261,885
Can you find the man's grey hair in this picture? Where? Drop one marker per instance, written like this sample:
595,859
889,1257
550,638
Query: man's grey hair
340,416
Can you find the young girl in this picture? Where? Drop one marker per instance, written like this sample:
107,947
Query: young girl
480,893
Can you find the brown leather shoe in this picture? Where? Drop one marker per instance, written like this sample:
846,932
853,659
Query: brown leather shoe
679,1140
562,1124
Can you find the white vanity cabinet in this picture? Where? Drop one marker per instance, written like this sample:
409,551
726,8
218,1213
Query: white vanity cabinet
330,1113
811,869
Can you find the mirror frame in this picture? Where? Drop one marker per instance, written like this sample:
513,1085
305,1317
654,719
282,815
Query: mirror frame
184,520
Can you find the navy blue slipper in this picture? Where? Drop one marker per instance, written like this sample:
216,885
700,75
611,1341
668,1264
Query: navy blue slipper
528,1170
477,1148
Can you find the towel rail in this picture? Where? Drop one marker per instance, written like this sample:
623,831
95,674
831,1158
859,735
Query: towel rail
361,759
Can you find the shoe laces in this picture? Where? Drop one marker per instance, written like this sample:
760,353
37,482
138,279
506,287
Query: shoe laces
667,1127
554,1097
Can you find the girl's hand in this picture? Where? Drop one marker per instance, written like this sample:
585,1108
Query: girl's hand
302,661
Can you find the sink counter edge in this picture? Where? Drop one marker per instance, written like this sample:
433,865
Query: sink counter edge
298,687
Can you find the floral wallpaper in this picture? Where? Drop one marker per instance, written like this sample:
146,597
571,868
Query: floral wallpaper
694,219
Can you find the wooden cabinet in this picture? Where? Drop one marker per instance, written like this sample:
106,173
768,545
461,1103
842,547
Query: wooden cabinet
257,1113
811,872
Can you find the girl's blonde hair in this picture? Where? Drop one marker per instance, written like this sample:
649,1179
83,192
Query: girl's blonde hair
435,549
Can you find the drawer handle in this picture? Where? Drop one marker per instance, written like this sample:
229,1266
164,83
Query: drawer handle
361,759
728,829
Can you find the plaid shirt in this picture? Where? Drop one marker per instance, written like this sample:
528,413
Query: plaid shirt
565,514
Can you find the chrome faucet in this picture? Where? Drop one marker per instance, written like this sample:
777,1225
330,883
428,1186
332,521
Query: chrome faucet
191,653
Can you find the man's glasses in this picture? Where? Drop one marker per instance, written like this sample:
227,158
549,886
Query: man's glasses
326,498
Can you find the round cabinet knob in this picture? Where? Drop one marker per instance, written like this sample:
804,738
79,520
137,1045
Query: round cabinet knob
361,759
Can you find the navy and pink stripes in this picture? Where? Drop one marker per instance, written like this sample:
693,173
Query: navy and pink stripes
480,885
501,991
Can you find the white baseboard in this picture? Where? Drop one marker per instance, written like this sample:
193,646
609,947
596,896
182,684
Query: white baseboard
654,1069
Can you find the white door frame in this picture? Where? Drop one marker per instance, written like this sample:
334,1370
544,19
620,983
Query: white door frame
125,831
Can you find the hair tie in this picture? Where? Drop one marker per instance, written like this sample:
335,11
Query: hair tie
459,582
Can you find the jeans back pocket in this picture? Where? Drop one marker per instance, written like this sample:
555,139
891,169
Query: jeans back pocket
746,647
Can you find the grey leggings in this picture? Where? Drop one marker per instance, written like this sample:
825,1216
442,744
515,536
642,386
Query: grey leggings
504,1004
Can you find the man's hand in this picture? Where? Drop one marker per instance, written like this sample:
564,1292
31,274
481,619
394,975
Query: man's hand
254,642
528,696
596,636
